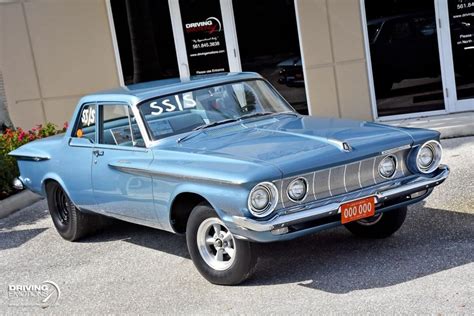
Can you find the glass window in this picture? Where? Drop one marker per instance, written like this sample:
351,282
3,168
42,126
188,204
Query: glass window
204,36
86,125
269,44
461,18
145,40
373,29
401,30
118,127
405,56
183,112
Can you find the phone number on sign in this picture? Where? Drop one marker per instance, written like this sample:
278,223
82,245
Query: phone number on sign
467,5
206,45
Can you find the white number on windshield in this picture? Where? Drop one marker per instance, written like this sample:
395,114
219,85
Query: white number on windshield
173,103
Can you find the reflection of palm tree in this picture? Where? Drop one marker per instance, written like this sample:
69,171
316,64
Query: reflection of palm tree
4,116
142,40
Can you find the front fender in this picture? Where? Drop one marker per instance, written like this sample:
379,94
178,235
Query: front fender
226,199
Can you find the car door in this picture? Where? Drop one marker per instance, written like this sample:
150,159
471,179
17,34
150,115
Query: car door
77,180
117,191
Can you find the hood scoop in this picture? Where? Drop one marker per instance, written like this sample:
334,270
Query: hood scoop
341,145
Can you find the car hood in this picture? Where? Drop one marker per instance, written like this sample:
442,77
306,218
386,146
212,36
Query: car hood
294,144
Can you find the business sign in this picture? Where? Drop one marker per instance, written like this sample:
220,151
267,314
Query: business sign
461,14
204,37
461,20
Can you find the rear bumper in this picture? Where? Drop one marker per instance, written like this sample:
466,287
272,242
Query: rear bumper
18,184
311,218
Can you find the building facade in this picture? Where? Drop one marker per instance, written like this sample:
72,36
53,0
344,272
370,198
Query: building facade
342,58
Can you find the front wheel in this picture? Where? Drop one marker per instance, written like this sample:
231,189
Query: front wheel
381,225
216,253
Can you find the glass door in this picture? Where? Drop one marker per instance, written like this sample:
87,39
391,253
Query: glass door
204,37
403,42
457,28
268,38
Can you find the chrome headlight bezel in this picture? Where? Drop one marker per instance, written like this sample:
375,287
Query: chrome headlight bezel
272,192
302,197
395,166
437,151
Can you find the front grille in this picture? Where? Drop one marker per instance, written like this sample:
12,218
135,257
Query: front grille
342,179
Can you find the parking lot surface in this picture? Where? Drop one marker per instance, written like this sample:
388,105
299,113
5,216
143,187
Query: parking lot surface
426,267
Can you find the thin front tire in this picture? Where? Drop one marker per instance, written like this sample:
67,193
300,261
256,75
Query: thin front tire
217,254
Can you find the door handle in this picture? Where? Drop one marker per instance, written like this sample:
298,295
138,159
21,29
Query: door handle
98,153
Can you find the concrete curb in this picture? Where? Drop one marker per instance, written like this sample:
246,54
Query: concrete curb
456,131
17,202
449,125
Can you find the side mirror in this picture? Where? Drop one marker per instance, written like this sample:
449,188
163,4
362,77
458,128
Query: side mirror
80,142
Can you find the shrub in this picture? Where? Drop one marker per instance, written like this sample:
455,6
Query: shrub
12,139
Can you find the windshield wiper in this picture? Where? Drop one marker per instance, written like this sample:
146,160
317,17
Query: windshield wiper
256,114
250,115
204,126
216,123
243,117
231,120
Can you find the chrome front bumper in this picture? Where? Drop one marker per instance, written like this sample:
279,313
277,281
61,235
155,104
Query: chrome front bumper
398,189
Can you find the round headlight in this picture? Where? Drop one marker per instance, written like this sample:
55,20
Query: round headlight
297,189
428,157
425,157
388,166
263,199
260,198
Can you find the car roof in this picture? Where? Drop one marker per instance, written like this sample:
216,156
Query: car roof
137,93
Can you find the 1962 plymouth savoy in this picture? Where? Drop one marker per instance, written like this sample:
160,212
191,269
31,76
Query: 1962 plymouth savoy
225,160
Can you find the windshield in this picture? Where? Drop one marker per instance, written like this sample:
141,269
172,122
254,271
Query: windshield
183,112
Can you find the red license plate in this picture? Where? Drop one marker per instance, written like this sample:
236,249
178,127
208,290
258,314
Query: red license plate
356,210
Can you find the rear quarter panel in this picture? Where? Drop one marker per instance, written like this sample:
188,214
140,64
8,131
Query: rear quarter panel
69,166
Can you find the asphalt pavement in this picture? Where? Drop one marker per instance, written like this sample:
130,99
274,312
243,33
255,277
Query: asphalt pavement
426,267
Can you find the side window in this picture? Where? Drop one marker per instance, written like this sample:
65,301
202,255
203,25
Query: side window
86,126
118,126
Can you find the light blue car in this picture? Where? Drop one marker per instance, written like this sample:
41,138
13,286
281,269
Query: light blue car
225,160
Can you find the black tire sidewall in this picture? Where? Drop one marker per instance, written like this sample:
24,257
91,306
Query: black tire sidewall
390,222
241,268
72,229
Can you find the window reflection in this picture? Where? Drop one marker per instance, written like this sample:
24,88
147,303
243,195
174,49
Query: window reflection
268,43
461,18
405,56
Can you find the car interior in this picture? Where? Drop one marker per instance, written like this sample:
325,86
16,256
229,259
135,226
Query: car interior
209,105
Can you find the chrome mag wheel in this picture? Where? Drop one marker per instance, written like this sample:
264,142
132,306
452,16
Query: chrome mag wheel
218,255
216,244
